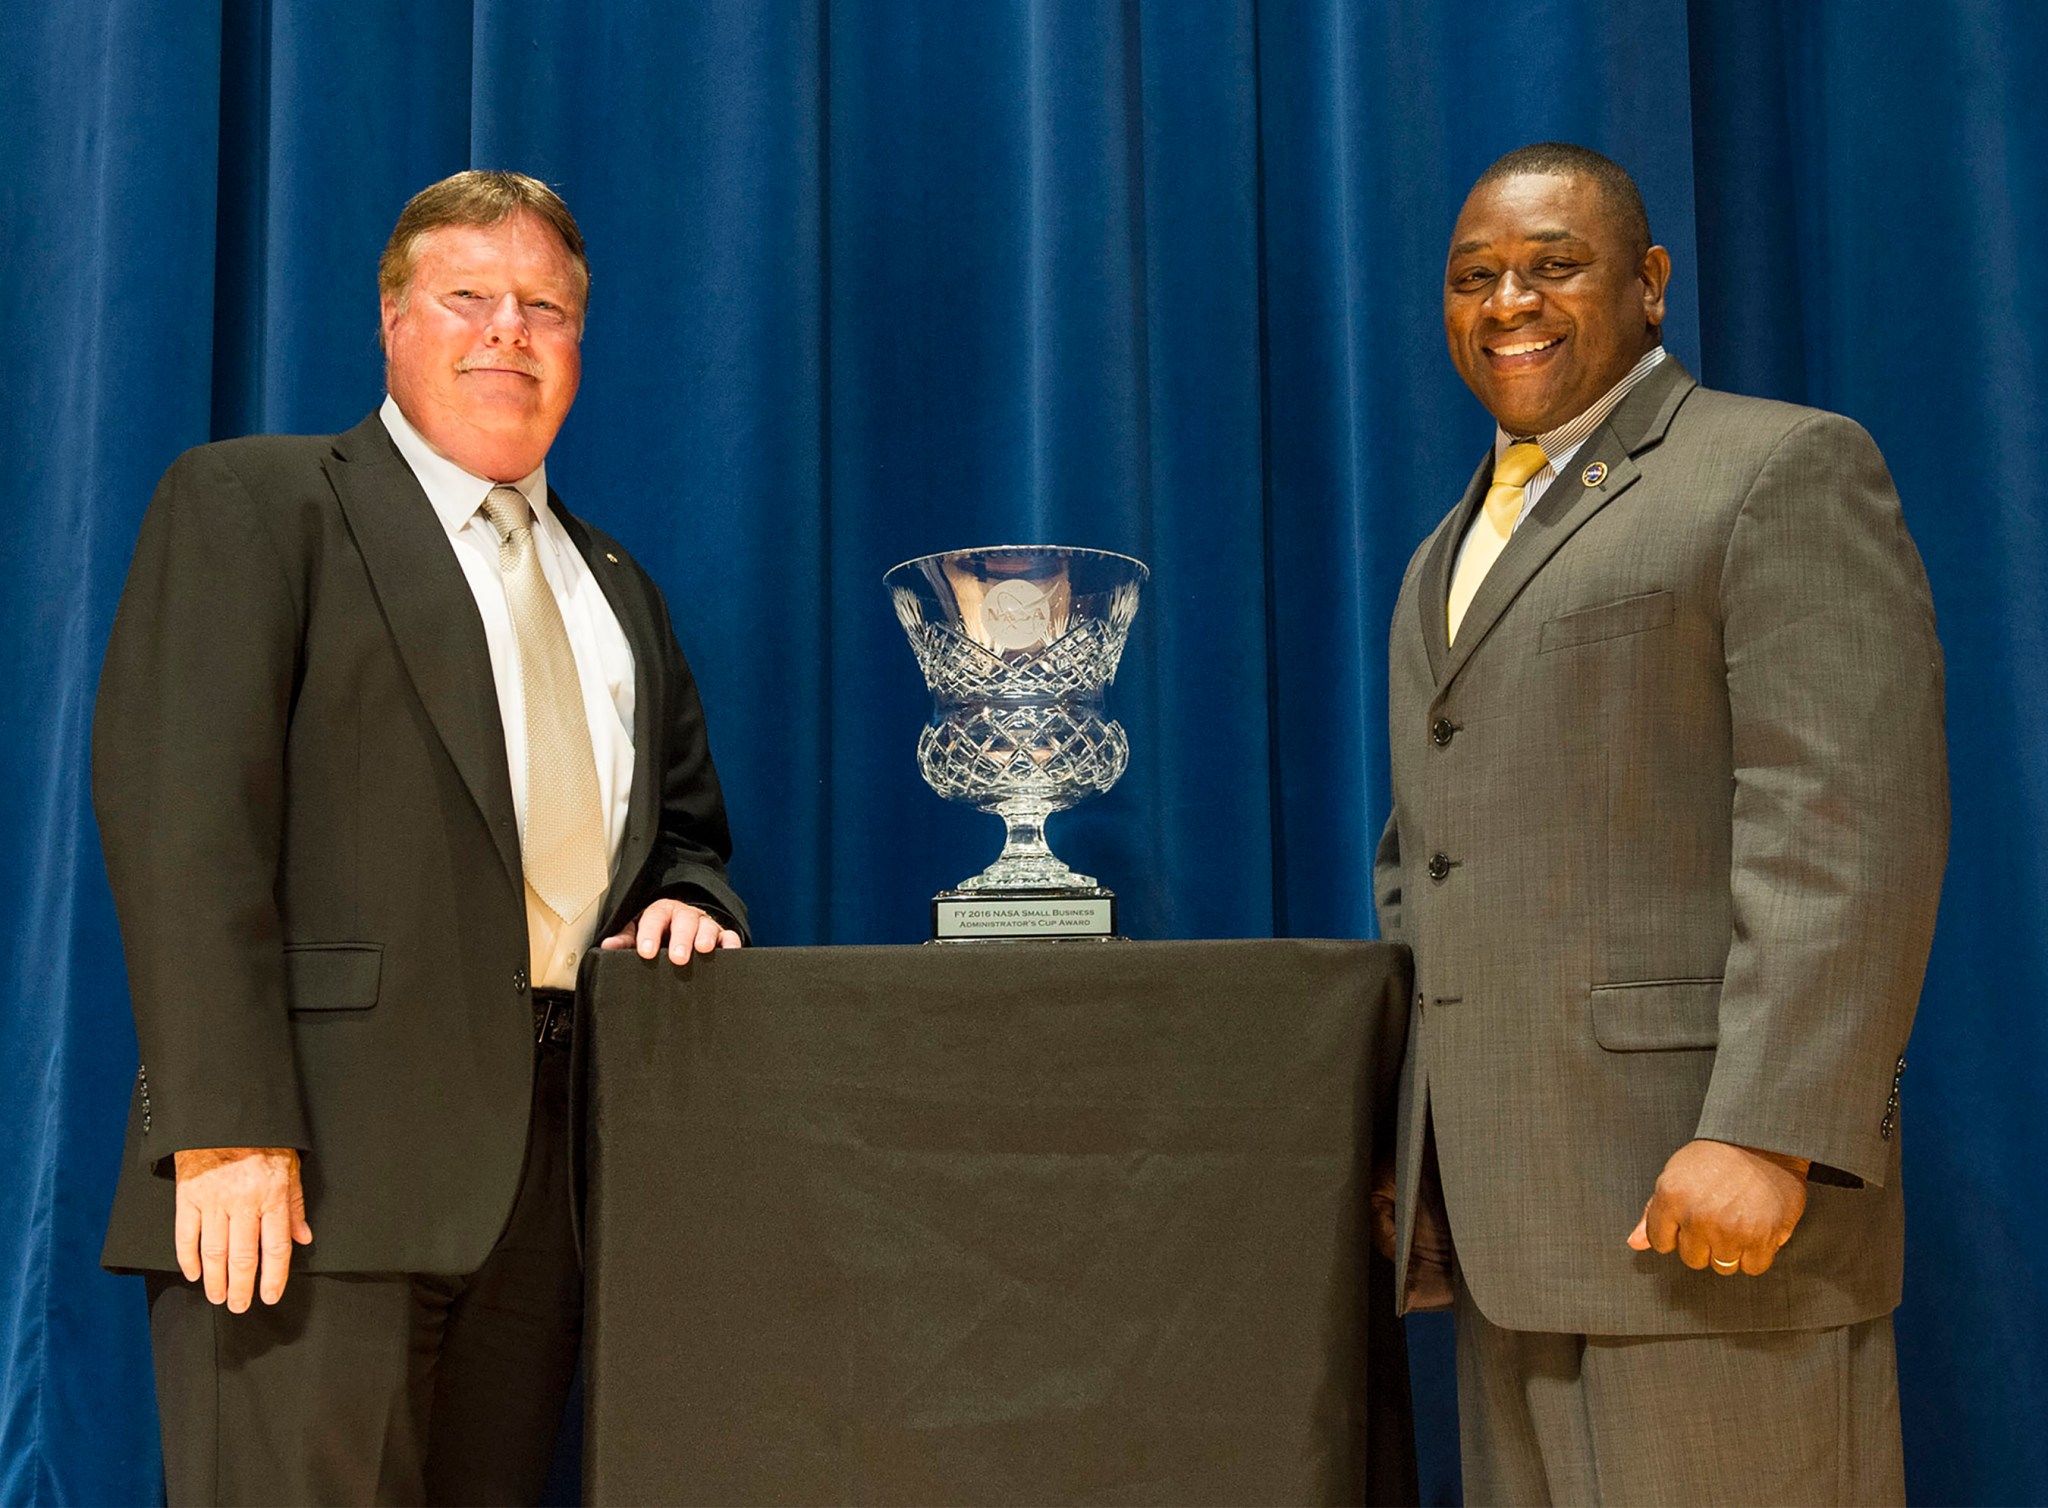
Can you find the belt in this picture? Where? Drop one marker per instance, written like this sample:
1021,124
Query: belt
554,1016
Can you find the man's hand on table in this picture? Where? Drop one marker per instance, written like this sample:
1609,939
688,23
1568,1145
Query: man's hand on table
686,929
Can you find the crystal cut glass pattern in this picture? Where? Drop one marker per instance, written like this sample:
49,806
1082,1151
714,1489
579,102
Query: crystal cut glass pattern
1018,645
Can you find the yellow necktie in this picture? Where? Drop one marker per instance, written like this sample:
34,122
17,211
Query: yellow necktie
564,846
1494,526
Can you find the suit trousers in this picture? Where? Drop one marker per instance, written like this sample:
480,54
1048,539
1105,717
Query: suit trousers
385,1388
1771,1416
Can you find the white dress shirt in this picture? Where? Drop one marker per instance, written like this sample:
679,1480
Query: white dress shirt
604,665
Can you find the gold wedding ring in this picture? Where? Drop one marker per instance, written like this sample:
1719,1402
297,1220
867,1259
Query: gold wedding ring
1720,1266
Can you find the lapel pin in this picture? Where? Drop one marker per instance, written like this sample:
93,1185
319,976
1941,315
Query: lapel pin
611,557
1594,474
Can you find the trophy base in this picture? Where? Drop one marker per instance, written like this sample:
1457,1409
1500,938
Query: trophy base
1024,915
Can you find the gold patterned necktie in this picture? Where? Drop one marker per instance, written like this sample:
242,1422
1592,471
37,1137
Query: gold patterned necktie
1494,526
564,843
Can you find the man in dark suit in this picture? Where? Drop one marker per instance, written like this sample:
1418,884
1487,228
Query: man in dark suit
1670,816
385,739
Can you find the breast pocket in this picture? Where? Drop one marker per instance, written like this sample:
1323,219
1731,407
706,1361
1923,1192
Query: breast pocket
342,976
1607,620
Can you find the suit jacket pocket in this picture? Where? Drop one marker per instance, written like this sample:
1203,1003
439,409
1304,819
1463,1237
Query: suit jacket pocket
1657,1015
340,976
1610,620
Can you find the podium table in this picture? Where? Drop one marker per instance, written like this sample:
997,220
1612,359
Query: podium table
991,1223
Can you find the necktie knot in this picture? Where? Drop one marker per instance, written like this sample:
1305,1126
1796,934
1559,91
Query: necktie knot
1509,491
508,511
1518,463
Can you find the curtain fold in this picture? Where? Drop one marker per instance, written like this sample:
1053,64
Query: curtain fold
874,278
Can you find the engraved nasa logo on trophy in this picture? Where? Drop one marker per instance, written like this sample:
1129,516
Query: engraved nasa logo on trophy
1016,615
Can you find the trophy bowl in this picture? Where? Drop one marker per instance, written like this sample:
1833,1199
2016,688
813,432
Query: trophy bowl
1018,645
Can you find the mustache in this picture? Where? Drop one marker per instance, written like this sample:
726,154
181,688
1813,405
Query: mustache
501,361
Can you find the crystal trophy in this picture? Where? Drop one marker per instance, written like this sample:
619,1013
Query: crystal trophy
1018,644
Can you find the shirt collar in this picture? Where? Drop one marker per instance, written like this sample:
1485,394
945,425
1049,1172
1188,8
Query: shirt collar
455,494
1559,443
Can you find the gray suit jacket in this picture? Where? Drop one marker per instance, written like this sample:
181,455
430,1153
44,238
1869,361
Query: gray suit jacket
1668,833
308,823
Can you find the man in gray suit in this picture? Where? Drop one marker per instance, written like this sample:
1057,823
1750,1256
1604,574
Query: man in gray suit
1670,816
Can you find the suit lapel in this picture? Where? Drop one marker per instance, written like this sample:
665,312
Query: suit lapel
644,636
1636,424
1563,510
432,615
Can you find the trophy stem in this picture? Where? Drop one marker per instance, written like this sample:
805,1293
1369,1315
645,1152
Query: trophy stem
1026,863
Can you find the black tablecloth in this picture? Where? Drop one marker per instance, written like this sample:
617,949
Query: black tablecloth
997,1222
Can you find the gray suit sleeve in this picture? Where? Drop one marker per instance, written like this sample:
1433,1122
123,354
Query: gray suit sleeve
1386,880
1840,825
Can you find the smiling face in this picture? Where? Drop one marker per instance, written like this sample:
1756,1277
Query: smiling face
483,348
1547,300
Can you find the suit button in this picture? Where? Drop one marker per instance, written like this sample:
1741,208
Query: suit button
519,980
1442,731
1439,867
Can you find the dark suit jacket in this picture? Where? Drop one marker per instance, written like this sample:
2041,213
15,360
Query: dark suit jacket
300,777
1668,834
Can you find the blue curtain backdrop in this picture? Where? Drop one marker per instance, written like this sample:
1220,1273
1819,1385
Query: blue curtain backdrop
880,277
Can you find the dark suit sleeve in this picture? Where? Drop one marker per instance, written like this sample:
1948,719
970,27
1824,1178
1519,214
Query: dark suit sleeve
1840,803
188,786
694,841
